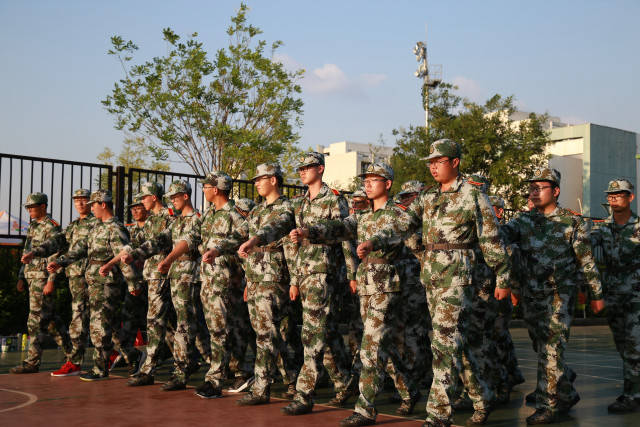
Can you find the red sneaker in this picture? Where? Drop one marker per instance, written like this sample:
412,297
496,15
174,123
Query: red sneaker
67,370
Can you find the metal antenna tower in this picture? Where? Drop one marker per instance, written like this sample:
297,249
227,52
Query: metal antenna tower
431,77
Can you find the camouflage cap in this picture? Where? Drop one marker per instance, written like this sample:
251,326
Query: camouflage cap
81,192
618,185
101,196
137,200
219,180
151,189
34,199
379,168
480,181
312,158
359,193
177,187
410,187
245,204
444,148
545,174
496,201
268,169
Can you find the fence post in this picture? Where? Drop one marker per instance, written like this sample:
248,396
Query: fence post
119,199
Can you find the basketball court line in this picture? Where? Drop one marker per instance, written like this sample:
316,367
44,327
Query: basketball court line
32,399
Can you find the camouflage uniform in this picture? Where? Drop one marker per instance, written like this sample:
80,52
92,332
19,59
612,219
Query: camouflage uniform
182,276
104,241
379,288
315,267
557,249
455,223
619,246
43,319
267,286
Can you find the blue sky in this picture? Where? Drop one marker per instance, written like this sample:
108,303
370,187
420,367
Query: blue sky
572,59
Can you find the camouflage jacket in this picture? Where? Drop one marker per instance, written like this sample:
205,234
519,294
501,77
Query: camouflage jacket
621,248
155,224
379,272
557,249
181,228
267,264
136,234
105,240
462,215
38,236
212,228
307,257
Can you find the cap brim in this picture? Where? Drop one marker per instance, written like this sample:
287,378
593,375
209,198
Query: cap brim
617,191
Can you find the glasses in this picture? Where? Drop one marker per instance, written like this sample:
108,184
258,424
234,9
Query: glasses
538,189
370,181
616,196
306,169
438,162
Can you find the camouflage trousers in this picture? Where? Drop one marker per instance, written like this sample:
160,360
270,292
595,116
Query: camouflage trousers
319,337
104,299
549,314
290,361
380,313
132,316
266,302
79,325
350,310
623,315
43,321
450,310
183,297
160,322
241,336
201,338
505,350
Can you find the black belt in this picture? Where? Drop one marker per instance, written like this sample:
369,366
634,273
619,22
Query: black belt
447,246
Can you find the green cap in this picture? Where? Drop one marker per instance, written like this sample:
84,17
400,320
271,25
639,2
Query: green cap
177,187
410,187
245,204
546,174
618,185
151,189
359,193
137,200
312,158
219,180
444,148
268,169
34,199
81,192
379,168
101,196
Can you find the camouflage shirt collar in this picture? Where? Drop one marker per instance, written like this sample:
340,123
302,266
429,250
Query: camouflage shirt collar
277,201
228,206
633,219
112,219
455,187
193,212
324,190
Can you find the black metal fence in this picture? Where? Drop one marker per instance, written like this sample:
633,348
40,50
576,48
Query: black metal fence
22,175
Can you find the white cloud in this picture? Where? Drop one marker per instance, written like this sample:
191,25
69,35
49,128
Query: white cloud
373,80
470,89
327,79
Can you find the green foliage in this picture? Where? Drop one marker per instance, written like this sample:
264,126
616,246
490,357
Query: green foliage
15,305
229,113
492,144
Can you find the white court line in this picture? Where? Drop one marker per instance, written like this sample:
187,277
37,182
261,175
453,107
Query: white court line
580,364
32,399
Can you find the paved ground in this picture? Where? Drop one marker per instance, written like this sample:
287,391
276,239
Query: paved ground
41,399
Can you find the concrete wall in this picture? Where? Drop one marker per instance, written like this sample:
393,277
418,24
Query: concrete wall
570,182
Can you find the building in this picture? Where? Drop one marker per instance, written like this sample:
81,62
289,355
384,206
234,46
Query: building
345,160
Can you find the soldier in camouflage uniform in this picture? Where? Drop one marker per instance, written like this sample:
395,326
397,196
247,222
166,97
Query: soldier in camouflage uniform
220,276
181,267
267,290
42,317
315,266
617,249
456,219
161,316
556,244
105,240
379,284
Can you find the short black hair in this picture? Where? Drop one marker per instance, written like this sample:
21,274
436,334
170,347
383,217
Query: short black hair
279,180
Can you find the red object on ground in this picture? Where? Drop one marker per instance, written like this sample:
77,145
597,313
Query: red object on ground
139,340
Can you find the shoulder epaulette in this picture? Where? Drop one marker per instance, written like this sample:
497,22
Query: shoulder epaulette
401,206
171,212
130,224
336,192
53,221
574,212
477,184
599,220
198,213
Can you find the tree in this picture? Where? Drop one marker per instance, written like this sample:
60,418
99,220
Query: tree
492,144
229,113
134,154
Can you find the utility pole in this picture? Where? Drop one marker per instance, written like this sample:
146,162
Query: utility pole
430,80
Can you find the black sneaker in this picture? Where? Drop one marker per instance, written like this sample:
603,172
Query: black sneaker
541,416
140,380
206,390
356,419
241,384
297,408
174,383
478,418
531,397
624,404
92,376
136,364
566,406
24,369
251,399
463,403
